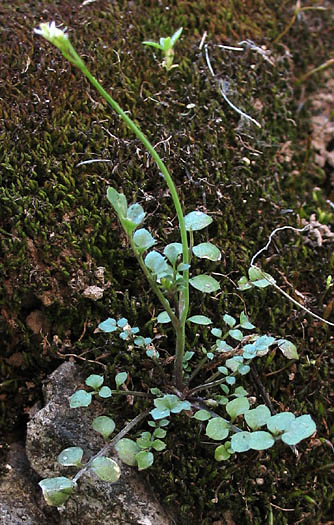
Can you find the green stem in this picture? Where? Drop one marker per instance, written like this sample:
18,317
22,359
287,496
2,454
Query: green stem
154,286
184,294
198,368
131,393
206,386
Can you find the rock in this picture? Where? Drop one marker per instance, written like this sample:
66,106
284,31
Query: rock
55,427
20,498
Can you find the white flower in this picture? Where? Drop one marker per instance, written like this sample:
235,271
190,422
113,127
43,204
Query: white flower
51,33
59,38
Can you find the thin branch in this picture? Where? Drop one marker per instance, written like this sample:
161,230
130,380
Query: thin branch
275,285
112,443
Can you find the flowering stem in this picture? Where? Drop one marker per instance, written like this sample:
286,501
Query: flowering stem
60,39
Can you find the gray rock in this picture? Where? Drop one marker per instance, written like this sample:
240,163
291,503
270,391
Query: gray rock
55,427
20,498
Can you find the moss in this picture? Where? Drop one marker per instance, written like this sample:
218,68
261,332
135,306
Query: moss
56,227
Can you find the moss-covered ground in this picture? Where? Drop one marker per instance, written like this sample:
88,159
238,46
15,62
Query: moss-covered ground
56,227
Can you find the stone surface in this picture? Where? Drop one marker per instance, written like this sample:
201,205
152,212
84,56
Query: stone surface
20,497
55,427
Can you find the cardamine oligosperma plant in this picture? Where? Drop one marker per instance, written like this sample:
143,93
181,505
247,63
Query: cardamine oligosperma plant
219,402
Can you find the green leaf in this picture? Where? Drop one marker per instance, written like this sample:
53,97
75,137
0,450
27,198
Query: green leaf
240,441
183,267
221,454
237,406
56,491
104,425
159,433
160,413
204,283
202,415
94,381
120,378
236,334
263,343
152,44
71,456
197,220
144,441
234,363
176,36
144,459
245,323
301,428
223,346
244,369
127,449
171,403
164,423
257,417
249,351
206,250
229,320
105,392
163,318
280,422
240,392
243,284
106,469
143,239
259,278
216,332
172,251
165,43
118,202
261,440
200,319
109,325
135,214
217,428
156,392
80,398
287,348
156,262
158,445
